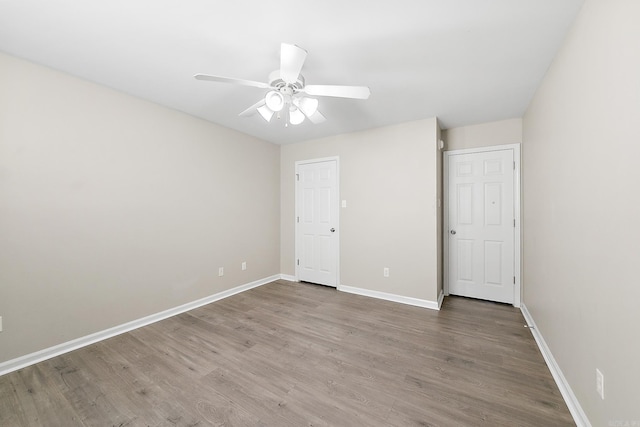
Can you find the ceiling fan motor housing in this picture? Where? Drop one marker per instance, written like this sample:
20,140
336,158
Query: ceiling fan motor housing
276,81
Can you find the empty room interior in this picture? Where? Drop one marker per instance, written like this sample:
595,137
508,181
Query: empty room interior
344,213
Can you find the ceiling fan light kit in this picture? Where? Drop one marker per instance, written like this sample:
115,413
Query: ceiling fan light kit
287,89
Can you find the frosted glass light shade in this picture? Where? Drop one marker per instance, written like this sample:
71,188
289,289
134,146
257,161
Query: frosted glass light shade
295,116
308,105
265,112
274,100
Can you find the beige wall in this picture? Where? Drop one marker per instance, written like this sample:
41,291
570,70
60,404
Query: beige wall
388,177
113,208
581,152
483,135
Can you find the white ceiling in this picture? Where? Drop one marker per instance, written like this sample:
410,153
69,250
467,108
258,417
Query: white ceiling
464,61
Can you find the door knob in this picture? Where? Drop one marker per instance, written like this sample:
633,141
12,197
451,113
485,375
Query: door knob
453,231
333,230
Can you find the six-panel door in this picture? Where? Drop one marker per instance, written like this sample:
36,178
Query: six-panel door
317,222
481,225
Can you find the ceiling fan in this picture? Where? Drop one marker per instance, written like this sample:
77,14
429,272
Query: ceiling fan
287,89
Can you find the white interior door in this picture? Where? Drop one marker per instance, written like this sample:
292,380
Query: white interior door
317,234
481,225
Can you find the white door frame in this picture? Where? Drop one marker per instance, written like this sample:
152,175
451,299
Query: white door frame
337,255
517,296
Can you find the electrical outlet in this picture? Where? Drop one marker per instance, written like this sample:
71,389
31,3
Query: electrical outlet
221,271
385,272
244,265
600,383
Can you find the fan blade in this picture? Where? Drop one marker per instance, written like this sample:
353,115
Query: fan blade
291,60
251,110
316,118
232,81
355,92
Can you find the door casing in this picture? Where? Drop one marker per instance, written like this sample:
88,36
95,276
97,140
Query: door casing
296,201
517,299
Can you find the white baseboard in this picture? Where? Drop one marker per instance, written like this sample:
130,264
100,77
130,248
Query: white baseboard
288,277
433,305
570,399
48,353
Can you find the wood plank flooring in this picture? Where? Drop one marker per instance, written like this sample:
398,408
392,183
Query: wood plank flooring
295,354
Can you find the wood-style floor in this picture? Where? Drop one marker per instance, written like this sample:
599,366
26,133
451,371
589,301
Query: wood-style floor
293,354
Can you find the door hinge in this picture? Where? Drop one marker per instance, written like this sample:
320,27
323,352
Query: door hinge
514,222
297,177
514,280
298,262
298,219
514,165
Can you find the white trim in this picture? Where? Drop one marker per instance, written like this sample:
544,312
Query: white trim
433,305
517,204
570,398
288,277
48,353
295,210
517,295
